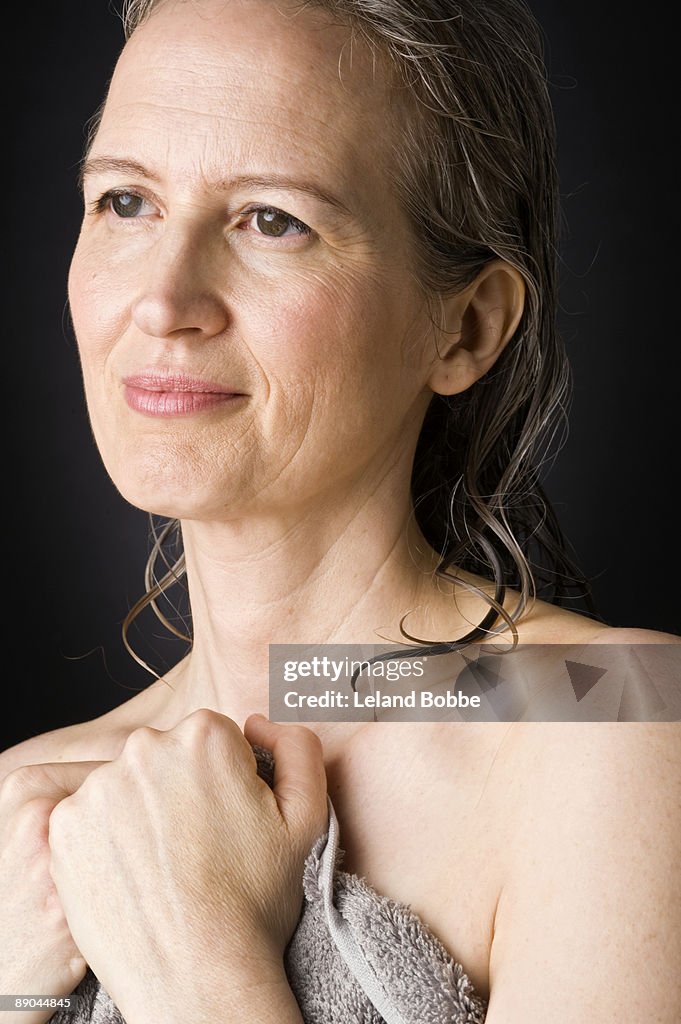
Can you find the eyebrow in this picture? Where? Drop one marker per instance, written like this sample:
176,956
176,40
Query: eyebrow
104,164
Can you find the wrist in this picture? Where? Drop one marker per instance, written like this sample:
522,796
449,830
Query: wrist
237,997
264,997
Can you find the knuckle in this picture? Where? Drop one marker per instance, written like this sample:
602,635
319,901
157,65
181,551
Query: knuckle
140,742
15,784
140,738
28,833
203,718
203,723
21,784
31,818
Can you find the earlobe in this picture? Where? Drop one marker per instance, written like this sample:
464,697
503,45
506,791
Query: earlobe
477,324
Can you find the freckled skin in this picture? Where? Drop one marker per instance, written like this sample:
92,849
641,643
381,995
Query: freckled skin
328,334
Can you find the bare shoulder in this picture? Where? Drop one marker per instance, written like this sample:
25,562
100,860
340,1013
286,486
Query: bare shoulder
53,746
627,635
589,864
546,623
99,739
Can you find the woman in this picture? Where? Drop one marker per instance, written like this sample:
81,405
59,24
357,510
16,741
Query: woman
318,251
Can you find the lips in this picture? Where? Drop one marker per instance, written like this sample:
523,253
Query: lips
158,394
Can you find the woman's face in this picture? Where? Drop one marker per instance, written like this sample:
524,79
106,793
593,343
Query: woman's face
207,265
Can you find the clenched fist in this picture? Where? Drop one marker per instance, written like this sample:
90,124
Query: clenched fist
180,870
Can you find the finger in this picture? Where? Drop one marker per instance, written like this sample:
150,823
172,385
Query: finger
299,776
53,779
204,729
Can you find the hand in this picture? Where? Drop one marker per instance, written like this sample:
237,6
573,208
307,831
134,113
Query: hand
180,870
39,955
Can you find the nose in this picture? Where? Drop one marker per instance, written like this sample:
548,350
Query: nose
179,291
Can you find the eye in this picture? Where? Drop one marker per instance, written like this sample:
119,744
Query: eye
124,204
274,223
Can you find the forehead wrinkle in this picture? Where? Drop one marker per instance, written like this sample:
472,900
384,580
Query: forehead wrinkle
326,114
344,154
162,80
212,76
296,126
209,99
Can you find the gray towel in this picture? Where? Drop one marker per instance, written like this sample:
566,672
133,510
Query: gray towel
356,957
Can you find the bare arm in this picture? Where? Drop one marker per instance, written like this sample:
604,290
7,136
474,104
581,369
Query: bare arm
588,925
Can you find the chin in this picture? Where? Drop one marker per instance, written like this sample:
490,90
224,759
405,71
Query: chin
175,484
175,502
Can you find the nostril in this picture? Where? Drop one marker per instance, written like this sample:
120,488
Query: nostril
167,313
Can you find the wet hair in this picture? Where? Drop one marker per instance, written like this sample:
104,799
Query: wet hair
475,170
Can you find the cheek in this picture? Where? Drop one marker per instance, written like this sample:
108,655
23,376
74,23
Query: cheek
332,350
98,303
334,333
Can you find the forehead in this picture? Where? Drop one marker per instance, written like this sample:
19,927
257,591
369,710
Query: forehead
220,82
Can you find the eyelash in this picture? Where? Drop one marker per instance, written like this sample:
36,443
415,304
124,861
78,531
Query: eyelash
102,204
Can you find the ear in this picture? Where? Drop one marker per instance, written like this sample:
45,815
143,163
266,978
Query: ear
481,318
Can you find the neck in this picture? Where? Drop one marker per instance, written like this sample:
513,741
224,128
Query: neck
332,574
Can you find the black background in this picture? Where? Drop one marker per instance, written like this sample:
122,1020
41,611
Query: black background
76,550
